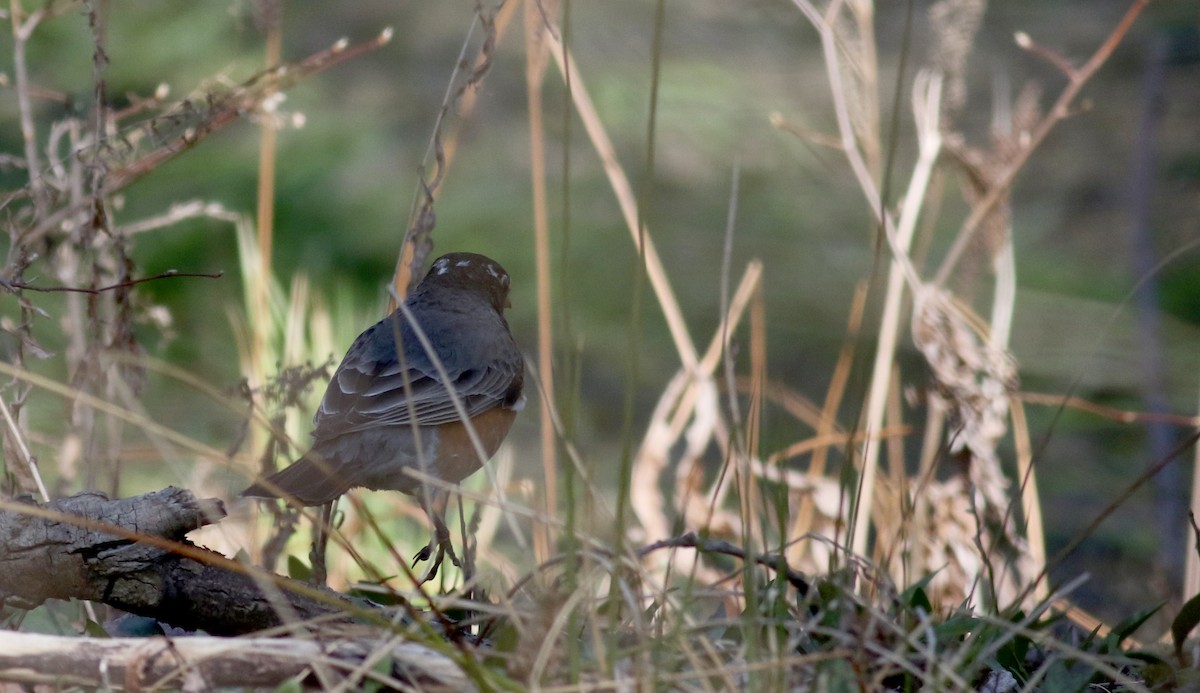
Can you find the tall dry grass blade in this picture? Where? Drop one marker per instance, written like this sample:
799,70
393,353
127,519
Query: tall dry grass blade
827,425
894,412
625,199
758,379
271,17
535,72
1031,503
926,97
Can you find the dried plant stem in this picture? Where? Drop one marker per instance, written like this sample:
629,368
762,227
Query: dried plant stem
625,199
265,217
827,423
1004,299
846,130
1125,416
22,30
927,95
677,405
1077,78
535,71
1035,530
27,458
751,495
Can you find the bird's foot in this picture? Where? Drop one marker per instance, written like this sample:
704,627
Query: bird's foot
440,541
423,555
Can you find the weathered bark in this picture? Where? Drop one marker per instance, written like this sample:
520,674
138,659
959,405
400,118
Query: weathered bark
131,554
206,663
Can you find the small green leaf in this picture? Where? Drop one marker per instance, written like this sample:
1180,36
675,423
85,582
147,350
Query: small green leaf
1067,676
94,629
384,669
915,597
1185,621
955,627
298,569
291,685
1129,626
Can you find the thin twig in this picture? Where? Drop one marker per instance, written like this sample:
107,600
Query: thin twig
691,540
22,30
1060,110
179,212
1125,416
169,274
1112,507
26,456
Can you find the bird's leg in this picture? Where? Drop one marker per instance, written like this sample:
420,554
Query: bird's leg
321,531
436,510
440,539
434,505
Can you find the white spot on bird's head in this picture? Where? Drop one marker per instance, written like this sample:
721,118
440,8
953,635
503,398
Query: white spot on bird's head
463,263
492,271
442,266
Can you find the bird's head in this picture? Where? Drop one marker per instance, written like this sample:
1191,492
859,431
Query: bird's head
471,272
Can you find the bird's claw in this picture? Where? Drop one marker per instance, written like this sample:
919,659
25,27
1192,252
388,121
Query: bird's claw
423,555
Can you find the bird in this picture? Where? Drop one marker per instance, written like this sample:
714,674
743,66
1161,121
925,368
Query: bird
395,403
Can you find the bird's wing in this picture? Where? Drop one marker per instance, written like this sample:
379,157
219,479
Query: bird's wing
365,393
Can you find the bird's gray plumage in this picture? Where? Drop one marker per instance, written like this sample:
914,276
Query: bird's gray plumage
388,390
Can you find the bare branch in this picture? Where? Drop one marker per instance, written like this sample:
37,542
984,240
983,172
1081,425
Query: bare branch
169,274
131,554
1060,110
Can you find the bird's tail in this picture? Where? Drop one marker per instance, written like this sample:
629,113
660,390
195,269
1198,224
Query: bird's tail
308,481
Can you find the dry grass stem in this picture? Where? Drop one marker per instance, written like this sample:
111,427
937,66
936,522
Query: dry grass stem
535,71
926,99
626,200
1077,78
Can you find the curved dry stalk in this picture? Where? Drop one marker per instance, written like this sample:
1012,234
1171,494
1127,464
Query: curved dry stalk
689,393
926,99
417,242
627,201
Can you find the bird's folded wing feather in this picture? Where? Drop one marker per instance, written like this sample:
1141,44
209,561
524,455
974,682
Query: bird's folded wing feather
360,397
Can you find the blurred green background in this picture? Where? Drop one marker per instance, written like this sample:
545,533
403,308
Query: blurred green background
346,180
